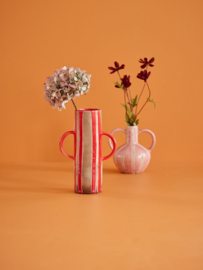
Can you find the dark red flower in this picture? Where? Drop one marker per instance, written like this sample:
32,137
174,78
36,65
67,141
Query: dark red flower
116,67
143,75
145,62
126,81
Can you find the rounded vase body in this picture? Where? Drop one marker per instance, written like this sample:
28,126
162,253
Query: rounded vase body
132,157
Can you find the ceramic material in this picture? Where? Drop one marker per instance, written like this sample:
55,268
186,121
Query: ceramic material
87,150
133,157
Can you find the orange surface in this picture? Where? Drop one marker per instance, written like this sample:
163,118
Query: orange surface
152,220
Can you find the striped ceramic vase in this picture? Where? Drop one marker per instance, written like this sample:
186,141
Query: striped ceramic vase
87,150
133,157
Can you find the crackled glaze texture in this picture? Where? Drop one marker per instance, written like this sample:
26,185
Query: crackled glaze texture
88,150
133,157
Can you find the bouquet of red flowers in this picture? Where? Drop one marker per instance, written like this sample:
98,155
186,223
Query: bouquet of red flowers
131,104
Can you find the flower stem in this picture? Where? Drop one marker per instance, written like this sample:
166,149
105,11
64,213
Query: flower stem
130,94
139,98
119,74
74,104
131,108
125,93
146,100
125,103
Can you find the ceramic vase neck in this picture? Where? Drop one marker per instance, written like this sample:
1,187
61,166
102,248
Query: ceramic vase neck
132,134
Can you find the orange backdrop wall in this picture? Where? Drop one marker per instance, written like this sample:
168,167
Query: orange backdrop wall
38,37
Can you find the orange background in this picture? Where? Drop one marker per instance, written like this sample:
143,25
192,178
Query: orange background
38,37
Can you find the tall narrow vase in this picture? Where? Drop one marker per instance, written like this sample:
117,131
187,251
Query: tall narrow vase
133,157
87,150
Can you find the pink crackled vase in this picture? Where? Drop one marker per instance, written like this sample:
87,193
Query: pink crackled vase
132,157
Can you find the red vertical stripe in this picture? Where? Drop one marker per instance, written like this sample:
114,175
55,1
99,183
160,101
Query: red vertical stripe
80,154
93,151
75,149
100,151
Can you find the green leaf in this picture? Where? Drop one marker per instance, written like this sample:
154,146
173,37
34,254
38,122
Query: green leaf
119,85
127,120
134,101
151,100
127,109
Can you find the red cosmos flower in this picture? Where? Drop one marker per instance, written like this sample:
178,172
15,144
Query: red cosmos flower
145,62
116,67
126,81
143,75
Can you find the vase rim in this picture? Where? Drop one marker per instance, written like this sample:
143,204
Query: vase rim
89,109
132,126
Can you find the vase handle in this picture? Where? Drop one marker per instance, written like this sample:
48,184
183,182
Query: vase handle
114,145
152,135
117,129
61,143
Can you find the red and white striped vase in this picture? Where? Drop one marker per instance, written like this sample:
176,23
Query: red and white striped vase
87,150
132,157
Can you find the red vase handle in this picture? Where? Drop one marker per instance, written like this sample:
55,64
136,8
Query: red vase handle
114,145
152,135
61,143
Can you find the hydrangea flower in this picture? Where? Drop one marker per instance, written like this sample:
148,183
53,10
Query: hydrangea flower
67,83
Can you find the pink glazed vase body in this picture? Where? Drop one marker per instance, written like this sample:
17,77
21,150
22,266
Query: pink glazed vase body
132,157
87,150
